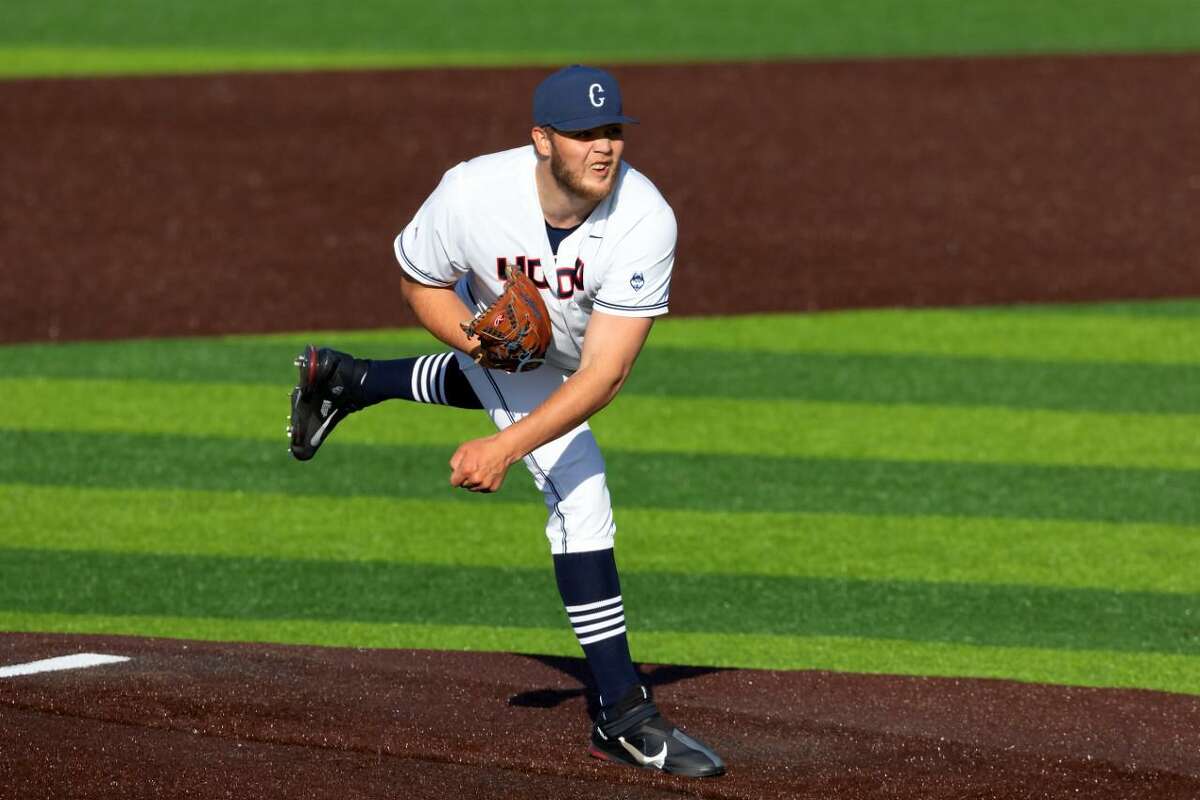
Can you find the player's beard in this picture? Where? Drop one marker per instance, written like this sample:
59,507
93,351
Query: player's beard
574,182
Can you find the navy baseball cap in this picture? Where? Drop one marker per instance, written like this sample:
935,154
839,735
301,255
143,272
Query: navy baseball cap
577,98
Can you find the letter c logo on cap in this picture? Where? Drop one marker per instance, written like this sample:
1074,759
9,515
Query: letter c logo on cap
596,95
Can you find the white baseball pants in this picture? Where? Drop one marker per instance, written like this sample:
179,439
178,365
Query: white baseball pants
569,470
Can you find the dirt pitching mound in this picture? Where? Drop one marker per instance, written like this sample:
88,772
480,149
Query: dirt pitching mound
227,204
209,720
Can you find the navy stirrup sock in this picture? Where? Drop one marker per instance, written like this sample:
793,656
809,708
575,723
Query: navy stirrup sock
423,379
591,593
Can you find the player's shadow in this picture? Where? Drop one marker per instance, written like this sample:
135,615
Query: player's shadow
577,668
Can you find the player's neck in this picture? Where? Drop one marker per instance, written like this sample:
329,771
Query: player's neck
561,207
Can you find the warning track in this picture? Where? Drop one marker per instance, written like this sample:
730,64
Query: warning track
197,719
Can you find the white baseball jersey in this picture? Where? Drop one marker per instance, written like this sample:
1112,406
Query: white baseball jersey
485,214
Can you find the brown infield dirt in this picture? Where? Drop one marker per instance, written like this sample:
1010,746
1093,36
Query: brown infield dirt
226,204
193,719
203,205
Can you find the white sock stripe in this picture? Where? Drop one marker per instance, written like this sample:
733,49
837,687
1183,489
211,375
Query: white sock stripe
608,623
590,606
439,378
430,379
427,370
602,636
416,379
442,377
608,612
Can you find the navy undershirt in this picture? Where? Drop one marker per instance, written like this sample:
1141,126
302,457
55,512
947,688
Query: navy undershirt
557,235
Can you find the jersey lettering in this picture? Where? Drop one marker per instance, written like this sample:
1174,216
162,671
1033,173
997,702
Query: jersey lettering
570,280
530,266
502,267
533,268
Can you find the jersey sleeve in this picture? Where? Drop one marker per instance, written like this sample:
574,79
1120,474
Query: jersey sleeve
426,248
638,284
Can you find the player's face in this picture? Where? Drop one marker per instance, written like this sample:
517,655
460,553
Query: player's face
586,162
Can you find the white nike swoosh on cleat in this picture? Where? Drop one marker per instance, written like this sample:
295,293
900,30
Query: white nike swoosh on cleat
646,761
316,437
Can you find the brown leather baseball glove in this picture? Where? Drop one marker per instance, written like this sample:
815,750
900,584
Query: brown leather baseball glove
514,332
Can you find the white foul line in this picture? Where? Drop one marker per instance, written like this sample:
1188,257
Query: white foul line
77,661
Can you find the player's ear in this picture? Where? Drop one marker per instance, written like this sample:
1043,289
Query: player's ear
541,141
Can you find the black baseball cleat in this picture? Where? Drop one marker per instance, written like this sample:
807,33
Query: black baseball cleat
327,393
634,733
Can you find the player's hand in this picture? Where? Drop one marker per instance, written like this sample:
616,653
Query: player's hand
481,464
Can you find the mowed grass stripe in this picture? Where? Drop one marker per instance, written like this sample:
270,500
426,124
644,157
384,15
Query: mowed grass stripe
1147,331
1032,333
264,359
639,423
901,432
647,480
664,371
1156,558
1167,308
919,380
240,35
36,61
89,582
1172,673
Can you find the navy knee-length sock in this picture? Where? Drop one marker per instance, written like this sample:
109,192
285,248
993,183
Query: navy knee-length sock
591,593
422,379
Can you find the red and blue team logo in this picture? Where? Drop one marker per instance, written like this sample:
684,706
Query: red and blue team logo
637,281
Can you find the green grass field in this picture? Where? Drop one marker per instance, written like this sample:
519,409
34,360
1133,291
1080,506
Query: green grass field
985,492
73,37
1007,492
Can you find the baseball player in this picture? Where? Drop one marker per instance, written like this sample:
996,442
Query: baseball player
598,240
